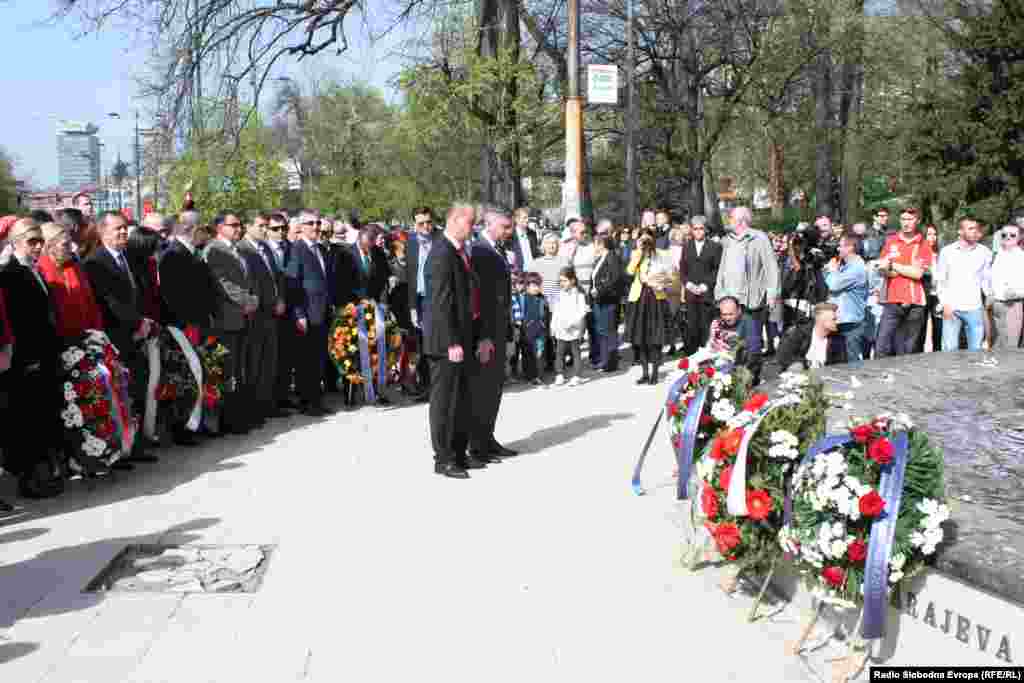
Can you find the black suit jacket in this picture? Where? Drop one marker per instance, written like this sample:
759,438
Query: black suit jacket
700,270
609,281
796,342
187,288
261,275
494,276
451,319
31,317
342,272
374,281
412,263
517,247
120,301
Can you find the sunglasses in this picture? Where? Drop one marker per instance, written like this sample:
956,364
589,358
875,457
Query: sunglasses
275,228
233,225
1010,236
34,241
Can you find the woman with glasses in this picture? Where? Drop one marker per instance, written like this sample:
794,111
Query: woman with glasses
1008,290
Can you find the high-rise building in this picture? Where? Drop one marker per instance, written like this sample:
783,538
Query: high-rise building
78,156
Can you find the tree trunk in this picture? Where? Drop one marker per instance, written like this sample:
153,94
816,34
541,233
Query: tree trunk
849,111
823,166
500,174
776,183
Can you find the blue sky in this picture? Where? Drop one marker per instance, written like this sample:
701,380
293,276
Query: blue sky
48,75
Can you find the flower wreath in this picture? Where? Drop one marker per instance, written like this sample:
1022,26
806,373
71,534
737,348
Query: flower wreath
96,412
177,389
343,342
213,355
842,535
744,472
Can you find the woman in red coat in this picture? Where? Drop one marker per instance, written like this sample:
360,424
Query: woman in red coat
73,299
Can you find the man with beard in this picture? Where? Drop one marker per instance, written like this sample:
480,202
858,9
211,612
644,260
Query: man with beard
490,264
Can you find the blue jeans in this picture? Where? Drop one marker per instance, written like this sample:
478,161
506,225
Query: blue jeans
975,330
853,333
606,337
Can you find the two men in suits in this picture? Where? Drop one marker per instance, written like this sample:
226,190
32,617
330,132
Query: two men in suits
417,252
698,271
236,305
117,290
31,381
310,304
261,348
492,269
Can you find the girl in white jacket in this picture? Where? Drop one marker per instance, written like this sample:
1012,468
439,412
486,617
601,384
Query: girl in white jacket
568,320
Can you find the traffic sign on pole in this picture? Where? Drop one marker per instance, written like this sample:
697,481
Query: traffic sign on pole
603,84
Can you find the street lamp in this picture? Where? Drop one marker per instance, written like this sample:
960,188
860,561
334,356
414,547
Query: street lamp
138,165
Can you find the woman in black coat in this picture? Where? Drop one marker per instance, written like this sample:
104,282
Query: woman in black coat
605,297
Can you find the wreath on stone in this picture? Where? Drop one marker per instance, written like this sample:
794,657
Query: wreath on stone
867,512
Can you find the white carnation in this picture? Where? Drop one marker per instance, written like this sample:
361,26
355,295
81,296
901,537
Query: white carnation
722,410
838,548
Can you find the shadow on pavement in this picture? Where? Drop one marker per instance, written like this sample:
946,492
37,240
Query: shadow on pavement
564,433
26,585
11,651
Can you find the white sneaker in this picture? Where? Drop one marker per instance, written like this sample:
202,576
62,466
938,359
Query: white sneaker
574,382
559,381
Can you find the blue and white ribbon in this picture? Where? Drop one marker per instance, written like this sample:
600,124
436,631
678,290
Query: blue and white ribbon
883,533
382,349
364,354
688,441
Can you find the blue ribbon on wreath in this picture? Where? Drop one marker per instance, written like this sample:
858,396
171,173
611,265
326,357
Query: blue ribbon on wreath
883,533
688,441
382,348
364,354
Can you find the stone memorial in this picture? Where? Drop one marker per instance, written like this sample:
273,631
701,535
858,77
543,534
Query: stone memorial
969,608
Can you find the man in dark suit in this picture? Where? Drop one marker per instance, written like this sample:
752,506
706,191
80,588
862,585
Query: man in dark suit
261,349
417,251
310,309
491,266
117,292
279,249
32,431
371,263
698,271
523,243
236,305
448,324
188,292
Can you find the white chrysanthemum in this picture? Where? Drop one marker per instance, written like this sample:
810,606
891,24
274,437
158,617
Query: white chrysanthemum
839,530
838,548
819,466
917,539
723,410
69,392
817,504
897,562
841,497
813,557
75,374
895,577
935,512
784,437
72,416
705,468
903,421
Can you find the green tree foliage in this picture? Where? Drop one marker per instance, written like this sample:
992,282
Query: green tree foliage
8,186
225,171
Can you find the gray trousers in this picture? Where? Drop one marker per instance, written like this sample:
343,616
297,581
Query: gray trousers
1008,319
261,358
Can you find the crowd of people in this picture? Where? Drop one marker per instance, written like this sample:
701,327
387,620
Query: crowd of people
491,297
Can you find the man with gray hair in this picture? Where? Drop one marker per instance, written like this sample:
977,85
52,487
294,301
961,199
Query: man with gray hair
698,271
749,270
491,266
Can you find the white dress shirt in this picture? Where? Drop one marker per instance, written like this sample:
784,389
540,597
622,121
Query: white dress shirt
1008,275
962,274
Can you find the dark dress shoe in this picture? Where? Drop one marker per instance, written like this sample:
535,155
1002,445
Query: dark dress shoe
5,506
498,449
278,412
488,458
122,466
186,438
314,411
473,463
451,470
141,456
383,401
644,379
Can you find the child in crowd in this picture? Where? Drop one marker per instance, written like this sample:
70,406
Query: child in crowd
515,358
534,327
567,325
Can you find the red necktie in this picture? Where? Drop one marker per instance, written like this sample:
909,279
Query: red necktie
474,291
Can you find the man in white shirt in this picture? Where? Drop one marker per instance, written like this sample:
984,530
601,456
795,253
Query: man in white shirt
1007,301
962,275
523,242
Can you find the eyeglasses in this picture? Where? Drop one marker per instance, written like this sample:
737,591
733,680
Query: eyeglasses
424,222
275,228
1010,236
233,225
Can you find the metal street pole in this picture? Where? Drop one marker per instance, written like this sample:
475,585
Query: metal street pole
631,216
138,171
572,190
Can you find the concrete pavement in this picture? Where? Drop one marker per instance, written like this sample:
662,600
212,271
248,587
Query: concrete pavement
542,568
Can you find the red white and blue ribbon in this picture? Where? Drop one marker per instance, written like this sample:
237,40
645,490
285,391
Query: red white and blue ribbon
883,533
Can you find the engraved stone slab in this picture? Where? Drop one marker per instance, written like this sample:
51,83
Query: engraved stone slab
185,569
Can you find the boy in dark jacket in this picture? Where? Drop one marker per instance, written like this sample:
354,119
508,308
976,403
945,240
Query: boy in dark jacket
533,312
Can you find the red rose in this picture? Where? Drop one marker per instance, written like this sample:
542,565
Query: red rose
871,504
676,441
857,551
101,408
87,411
755,403
834,576
709,371
759,505
863,433
717,452
731,441
83,389
104,428
705,420
673,408
694,378
724,477
709,502
726,535
880,451
84,365
684,364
